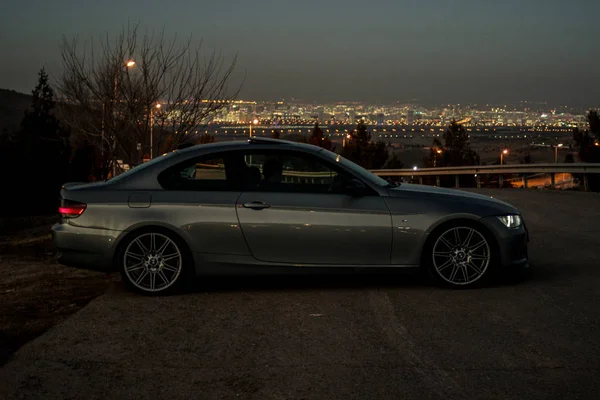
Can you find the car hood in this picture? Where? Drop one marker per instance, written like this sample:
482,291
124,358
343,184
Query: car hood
430,191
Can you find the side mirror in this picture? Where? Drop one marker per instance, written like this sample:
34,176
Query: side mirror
355,188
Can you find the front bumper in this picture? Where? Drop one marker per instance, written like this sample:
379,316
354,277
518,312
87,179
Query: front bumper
86,248
512,243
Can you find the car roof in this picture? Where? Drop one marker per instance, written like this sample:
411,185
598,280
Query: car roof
242,144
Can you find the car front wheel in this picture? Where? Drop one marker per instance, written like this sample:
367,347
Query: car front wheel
460,256
152,262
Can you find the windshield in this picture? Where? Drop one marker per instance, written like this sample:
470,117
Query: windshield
357,169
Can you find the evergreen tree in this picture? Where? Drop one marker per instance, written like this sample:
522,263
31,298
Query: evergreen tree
455,151
588,141
40,152
362,150
394,162
318,139
83,168
588,147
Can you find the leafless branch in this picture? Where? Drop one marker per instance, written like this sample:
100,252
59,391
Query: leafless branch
112,105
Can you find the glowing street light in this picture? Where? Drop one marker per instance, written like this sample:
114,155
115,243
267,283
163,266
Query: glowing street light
502,154
128,64
437,151
255,122
346,137
556,152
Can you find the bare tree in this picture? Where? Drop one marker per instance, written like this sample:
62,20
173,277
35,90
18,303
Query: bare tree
140,93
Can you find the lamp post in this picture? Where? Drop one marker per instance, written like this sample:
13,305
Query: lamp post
348,136
128,64
254,122
438,151
502,154
157,106
556,152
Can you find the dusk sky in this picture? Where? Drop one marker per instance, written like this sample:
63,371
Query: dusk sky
376,50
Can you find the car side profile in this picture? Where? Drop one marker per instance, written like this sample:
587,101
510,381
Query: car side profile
266,206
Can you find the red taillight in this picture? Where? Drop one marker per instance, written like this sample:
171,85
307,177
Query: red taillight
71,209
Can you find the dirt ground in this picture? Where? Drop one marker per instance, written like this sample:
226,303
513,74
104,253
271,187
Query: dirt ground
35,292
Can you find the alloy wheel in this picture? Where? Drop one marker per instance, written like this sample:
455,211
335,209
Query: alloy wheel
152,262
461,255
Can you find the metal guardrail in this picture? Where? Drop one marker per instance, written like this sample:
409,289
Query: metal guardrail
525,170
477,170
573,168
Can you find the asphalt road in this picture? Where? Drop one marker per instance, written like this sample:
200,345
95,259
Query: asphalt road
351,337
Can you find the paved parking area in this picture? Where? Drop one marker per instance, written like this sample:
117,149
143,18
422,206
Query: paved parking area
344,337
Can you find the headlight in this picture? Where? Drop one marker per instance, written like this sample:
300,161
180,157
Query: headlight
511,221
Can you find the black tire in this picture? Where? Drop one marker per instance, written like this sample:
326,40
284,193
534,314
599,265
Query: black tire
167,269
462,268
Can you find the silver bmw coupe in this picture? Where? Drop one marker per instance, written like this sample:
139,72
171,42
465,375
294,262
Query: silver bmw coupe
267,206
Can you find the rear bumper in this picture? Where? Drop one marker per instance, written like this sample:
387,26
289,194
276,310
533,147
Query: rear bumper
86,248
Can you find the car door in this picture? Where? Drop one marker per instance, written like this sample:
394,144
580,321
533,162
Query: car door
199,199
300,214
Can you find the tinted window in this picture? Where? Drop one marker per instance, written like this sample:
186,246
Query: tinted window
290,172
204,173
256,170
143,166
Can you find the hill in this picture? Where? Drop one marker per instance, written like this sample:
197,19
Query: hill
12,107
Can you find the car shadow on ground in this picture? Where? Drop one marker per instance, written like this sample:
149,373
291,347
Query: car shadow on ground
406,279
307,282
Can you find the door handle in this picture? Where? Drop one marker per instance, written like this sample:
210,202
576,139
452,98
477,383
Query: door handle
256,205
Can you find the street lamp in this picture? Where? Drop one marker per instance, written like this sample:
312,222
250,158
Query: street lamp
556,152
348,136
412,178
438,151
157,106
255,122
128,64
502,154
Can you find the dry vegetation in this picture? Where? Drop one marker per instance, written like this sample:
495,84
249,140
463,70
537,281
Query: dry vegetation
35,292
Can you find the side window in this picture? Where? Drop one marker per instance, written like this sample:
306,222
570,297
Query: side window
291,172
206,173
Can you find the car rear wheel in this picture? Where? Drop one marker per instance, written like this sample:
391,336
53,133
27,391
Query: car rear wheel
153,262
460,256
